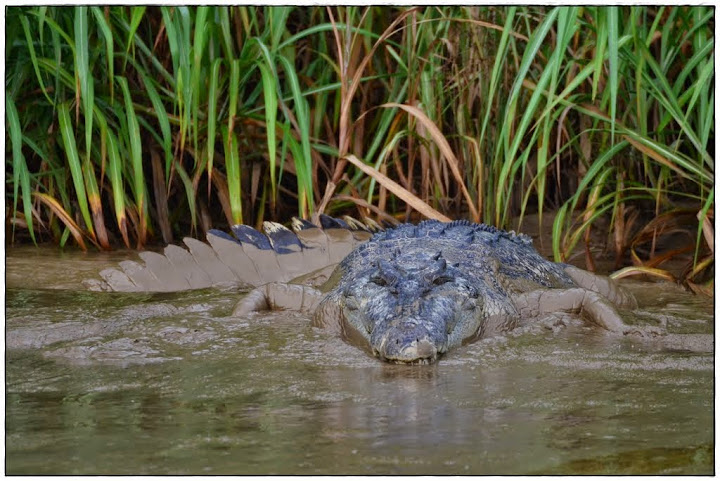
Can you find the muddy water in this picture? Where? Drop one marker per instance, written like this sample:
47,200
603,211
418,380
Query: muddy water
106,383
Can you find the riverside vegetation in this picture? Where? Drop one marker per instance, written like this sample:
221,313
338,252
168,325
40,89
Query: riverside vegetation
131,125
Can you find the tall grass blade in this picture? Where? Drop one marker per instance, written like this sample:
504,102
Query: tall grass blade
297,154
613,65
411,199
73,159
136,16
212,118
190,193
445,149
497,69
161,198
234,176
163,122
115,175
21,175
303,120
177,24
33,56
601,41
64,217
269,83
705,226
226,32
82,69
104,28
136,161
198,52
95,204
278,19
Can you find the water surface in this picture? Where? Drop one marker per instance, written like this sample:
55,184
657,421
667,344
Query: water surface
113,383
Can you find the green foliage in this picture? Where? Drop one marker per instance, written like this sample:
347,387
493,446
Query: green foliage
588,111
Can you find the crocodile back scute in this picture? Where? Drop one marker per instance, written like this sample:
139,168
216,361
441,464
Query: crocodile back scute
480,249
244,257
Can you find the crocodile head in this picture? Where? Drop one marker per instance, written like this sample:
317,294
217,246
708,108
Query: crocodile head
411,309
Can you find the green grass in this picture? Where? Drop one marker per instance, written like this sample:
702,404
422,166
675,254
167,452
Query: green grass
136,124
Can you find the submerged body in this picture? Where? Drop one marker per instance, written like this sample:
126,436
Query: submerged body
406,295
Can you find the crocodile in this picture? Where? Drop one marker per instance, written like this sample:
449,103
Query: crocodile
407,294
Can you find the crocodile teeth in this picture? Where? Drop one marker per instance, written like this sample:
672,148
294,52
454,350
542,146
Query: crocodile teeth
417,362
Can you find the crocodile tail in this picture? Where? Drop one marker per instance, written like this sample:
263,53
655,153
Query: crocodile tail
246,258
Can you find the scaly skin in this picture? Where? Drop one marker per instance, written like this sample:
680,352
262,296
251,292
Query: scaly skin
412,293
407,295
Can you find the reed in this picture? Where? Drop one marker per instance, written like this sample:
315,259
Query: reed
127,124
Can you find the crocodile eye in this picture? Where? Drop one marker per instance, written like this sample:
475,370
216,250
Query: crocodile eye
469,304
385,275
440,280
352,304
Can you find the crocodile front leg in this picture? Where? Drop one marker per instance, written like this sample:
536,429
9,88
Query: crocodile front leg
604,286
279,295
591,305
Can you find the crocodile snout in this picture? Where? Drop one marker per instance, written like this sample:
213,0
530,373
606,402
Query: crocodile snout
407,343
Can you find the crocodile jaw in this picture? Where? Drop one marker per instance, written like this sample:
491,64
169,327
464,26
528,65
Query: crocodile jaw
407,343
422,352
